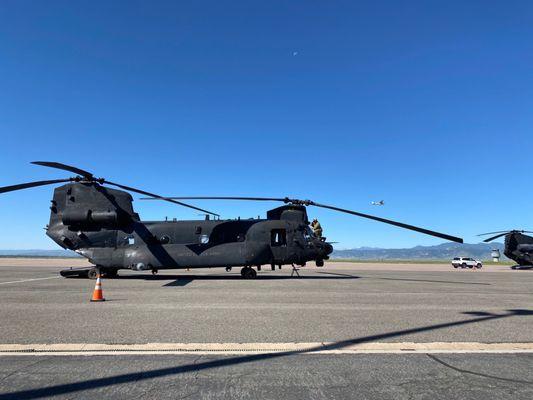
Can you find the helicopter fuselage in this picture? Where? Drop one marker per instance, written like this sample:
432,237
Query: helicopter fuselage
100,224
519,247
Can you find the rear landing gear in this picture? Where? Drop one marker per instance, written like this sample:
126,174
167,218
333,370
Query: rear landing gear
111,273
248,273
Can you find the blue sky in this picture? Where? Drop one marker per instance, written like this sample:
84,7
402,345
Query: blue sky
427,105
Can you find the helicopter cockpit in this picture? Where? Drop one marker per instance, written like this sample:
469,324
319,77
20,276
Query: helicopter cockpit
309,234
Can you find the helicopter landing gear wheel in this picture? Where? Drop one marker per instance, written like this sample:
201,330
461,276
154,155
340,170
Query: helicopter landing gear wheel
91,274
248,273
111,273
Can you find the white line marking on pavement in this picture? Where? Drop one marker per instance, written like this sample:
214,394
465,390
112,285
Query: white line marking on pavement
80,349
29,280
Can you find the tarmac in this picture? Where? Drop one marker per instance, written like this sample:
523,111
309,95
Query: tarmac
343,331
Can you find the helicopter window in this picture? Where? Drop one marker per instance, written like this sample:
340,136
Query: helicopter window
130,239
204,239
278,237
198,230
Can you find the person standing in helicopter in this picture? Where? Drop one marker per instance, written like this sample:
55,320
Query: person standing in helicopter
317,228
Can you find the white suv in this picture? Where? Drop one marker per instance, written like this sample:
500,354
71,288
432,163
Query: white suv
465,262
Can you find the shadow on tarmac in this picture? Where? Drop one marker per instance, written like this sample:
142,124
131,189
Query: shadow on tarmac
186,279
183,280
407,280
156,373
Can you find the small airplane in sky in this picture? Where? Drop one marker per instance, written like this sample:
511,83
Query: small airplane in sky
378,203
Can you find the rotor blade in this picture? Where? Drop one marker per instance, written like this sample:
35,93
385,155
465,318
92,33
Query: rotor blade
159,197
495,237
308,203
220,198
390,222
64,167
21,186
505,232
492,233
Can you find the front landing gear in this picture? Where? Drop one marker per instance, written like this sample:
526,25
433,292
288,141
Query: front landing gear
248,273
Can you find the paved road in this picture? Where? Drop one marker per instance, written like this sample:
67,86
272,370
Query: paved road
269,377
342,303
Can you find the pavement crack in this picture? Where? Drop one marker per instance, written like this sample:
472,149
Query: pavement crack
195,362
23,368
465,371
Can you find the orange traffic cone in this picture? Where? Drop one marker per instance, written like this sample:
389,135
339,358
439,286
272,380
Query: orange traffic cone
98,294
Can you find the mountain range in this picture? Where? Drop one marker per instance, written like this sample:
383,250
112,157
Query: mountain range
444,251
39,253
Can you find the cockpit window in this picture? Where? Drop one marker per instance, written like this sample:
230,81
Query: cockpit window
308,233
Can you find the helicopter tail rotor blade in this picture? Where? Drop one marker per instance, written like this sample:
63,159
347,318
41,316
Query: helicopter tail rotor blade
21,186
391,222
156,196
65,167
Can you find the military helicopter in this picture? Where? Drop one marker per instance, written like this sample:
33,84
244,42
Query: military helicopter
100,224
518,247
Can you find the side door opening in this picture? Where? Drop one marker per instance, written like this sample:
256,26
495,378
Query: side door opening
278,244
278,237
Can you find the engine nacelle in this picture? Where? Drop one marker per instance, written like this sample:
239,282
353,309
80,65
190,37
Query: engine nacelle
84,217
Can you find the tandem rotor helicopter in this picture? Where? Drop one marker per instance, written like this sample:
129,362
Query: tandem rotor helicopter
518,247
100,224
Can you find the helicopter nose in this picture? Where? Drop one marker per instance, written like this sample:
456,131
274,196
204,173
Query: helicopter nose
328,248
